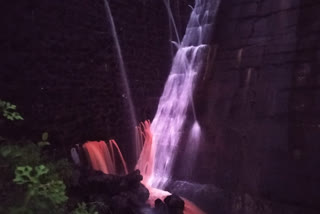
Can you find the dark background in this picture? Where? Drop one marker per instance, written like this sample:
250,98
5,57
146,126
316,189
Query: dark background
59,65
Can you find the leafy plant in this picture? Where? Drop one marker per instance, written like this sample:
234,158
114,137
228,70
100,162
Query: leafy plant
8,111
38,182
32,178
83,208
53,190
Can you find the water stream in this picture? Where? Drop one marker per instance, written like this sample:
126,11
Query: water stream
169,122
123,71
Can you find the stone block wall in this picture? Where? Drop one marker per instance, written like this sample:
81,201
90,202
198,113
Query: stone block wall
259,104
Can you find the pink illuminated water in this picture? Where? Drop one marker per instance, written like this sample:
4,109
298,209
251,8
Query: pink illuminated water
146,158
103,158
169,122
171,115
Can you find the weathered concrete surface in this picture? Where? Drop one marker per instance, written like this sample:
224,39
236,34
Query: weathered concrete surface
259,105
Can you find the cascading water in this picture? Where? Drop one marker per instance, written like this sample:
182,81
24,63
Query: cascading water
102,157
169,121
161,138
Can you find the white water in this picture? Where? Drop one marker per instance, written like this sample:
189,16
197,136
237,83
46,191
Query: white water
169,121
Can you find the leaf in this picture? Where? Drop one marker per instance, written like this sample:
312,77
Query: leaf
54,190
19,117
41,170
23,175
44,136
10,106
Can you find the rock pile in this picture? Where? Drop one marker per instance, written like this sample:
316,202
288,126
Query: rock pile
126,194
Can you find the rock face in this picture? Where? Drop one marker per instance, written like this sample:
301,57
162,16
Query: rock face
259,106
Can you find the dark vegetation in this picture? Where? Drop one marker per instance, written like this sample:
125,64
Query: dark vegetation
34,181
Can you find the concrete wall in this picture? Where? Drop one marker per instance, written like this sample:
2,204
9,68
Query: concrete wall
260,104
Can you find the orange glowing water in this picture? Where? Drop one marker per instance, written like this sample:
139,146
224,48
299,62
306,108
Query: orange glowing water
102,156
146,158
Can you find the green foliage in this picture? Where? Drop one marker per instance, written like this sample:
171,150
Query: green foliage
32,181
16,153
53,190
84,209
41,191
8,111
23,174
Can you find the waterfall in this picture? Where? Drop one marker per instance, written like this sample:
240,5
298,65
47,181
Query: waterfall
102,157
168,123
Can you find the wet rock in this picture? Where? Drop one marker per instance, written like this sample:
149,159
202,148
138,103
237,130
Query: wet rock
131,180
98,183
175,204
120,194
120,204
140,194
206,196
160,207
